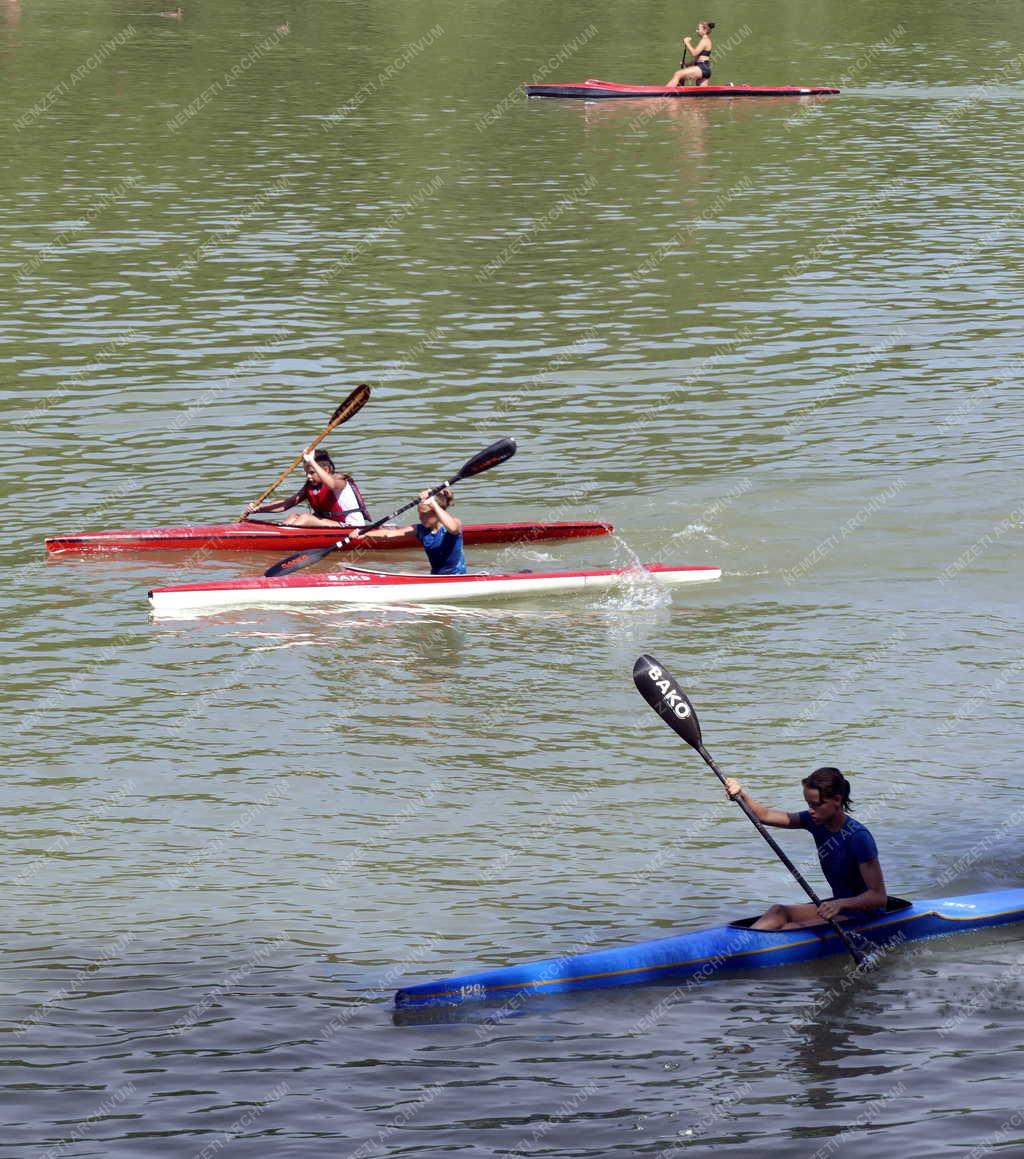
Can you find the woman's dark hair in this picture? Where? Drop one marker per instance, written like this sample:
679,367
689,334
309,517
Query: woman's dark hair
829,782
710,24
324,457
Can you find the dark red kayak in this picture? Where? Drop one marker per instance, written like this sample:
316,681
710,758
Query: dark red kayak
597,90
254,536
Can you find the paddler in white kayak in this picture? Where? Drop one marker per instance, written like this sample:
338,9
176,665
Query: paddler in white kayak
846,850
700,70
334,498
438,531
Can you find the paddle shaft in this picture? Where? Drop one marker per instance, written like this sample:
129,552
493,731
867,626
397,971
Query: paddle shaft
779,851
348,408
781,854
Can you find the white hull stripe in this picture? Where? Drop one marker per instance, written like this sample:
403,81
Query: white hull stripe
361,588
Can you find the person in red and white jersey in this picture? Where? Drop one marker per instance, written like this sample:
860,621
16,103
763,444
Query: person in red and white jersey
334,498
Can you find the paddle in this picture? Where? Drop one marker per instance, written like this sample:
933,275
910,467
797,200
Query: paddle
354,403
496,453
657,686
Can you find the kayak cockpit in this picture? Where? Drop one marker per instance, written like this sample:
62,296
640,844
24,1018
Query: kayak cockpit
894,905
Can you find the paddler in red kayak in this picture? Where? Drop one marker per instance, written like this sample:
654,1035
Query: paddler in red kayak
846,850
439,532
334,499
700,70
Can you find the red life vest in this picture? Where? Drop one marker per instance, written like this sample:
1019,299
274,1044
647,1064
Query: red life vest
325,504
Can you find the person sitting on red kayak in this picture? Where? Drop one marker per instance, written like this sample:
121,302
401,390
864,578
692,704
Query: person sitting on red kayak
846,850
438,531
334,499
700,70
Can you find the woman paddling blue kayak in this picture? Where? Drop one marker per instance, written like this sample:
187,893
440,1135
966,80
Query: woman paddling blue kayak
662,692
701,955
869,920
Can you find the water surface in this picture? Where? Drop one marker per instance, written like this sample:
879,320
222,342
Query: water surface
780,337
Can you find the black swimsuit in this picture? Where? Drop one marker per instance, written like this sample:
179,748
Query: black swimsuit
703,62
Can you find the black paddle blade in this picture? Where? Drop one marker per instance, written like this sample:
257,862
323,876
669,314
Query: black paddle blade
483,461
298,561
658,687
353,404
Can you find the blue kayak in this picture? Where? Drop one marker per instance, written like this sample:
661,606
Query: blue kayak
703,953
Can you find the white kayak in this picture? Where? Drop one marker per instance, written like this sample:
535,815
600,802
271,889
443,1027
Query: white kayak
362,586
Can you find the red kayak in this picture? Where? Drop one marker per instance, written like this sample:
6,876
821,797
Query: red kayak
607,90
275,537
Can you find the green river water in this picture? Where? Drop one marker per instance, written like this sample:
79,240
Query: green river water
783,337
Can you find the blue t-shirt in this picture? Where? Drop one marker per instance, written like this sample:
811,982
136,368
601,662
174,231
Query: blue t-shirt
842,853
443,549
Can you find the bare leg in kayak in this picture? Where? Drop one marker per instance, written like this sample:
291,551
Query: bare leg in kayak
682,75
304,519
789,917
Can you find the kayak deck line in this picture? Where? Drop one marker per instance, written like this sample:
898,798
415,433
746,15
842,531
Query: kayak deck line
362,586
826,934
258,535
627,970
594,89
680,963
735,946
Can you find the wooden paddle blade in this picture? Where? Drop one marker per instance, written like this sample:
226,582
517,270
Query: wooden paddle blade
354,403
659,688
496,453
298,561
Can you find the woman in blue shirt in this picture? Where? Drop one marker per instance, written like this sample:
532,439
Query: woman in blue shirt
439,532
846,850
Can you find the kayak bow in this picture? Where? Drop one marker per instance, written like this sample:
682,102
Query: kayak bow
253,535
358,586
702,953
592,90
